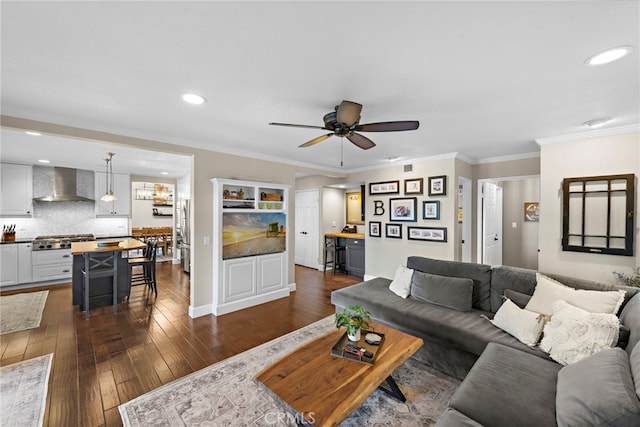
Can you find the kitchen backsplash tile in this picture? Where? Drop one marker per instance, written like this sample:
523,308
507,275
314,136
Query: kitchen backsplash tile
66,218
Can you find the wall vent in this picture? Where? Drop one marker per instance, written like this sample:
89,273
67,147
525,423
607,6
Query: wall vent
408,168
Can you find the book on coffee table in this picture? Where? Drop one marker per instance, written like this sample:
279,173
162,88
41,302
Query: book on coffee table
343,348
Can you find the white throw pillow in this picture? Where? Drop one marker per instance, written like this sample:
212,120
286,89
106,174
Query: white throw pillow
401,284
574,334
548,291
525,325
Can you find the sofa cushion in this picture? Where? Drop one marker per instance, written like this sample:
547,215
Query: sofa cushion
574,334
401,284
630,316
453,418
548,291
517,279
598,391
452,292
467,331
518,298
523,324
634,361
506,385
479,273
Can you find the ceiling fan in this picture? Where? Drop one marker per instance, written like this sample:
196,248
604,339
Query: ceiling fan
344,122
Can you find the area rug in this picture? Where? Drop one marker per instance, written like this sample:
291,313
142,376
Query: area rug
23,387
21,311
226,393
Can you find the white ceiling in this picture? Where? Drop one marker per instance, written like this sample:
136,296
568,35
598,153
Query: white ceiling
483,78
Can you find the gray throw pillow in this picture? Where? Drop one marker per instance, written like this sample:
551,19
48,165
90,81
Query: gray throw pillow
599,391
518,298
451,292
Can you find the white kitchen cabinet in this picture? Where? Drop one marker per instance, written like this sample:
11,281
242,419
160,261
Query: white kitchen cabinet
25,272
16,190
9,264
121,189
51,265
250,262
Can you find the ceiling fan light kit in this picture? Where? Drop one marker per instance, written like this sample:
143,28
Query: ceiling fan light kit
344,122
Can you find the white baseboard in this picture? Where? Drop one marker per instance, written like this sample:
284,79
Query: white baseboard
369,277
199,311
250,302
292,287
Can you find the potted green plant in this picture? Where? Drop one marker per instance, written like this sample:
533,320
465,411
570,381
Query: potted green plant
354,318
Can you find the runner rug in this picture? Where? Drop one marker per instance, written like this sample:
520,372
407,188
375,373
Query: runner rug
21,311
226,393
23,387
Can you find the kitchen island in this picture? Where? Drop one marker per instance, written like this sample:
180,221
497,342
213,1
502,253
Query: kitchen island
354,251
101,288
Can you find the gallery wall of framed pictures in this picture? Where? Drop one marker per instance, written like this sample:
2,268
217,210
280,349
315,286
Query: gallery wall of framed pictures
397,208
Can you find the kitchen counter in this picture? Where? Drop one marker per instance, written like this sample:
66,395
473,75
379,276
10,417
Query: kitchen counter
346,235
101,288
78,248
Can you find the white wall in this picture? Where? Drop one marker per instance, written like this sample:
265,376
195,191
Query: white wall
606,155
383,255
519,244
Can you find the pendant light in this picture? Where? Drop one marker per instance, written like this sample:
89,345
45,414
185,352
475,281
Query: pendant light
108,195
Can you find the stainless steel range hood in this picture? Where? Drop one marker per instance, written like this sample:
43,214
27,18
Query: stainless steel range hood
56,184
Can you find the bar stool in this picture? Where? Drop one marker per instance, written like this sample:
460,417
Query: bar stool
100,264
148,263
332,246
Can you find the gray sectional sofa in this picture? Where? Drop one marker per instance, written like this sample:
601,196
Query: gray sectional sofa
506,382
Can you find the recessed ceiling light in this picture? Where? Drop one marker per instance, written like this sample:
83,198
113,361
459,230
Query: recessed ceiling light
192,98
164,173
609,55
393,159
32,133
44,161
596,123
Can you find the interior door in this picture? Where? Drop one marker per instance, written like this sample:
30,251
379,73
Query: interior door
491,224
307,228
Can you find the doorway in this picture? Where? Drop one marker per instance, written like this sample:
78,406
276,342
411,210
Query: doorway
505,235
307,228
465,192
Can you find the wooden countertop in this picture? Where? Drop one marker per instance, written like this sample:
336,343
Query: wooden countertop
78,248
346,235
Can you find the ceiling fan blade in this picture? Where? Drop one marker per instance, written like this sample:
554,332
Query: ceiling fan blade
348,113
316,140
361,141
388,126
297,126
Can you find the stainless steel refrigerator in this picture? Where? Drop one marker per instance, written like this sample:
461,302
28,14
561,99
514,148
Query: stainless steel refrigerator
185,236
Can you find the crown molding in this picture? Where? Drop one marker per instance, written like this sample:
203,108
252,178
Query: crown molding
598,133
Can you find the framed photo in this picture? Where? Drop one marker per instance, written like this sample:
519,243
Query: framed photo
387,187
531,212
374,229
432,234
413,186
438,185
403,209
431,209
393,231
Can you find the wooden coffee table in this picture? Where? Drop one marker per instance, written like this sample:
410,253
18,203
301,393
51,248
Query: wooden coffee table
324,389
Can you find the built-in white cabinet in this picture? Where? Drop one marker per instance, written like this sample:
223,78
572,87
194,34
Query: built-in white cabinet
250,256
121,189
52,265
9,263
16,263
25,273
16,190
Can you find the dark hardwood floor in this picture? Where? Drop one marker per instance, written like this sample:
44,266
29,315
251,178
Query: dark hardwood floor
110,359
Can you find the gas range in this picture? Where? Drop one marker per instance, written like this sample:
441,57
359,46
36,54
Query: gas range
59,241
